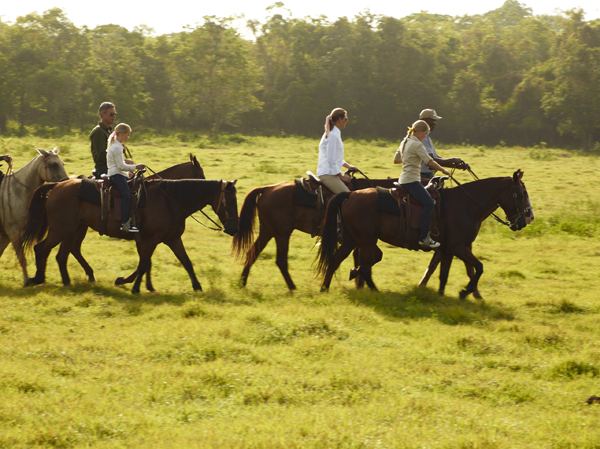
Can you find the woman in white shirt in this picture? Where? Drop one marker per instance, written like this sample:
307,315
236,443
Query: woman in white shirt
331,153
410,154
118,171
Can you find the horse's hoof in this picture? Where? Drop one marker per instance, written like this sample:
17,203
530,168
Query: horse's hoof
441,293
463,294
353,274
30,282
120,280
324,289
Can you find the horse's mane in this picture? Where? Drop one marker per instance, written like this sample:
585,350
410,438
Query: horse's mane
28,163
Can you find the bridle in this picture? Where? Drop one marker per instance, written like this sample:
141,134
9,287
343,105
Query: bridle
510,221
45,160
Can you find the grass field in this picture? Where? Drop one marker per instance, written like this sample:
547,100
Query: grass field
93,366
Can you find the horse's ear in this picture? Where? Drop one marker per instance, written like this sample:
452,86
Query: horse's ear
517,176
42,152
192,158
55,150
232,182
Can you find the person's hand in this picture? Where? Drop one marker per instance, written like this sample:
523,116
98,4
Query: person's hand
352,168
346,178
8,158
444,171
140,166
461,165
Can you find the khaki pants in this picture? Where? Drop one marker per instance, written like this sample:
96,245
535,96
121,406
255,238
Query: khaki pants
334,183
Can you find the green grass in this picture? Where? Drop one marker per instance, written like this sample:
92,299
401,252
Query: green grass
94,366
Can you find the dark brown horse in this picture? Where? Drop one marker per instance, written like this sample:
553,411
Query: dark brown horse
186,170
61,214
463,210
278,217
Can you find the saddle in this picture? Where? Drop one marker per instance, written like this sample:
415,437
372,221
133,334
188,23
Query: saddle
110,195
408,209
314,187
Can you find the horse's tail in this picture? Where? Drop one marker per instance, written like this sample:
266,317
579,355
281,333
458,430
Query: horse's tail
36,224
329,234
243,240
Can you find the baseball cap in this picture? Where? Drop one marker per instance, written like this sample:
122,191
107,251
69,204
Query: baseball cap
429,113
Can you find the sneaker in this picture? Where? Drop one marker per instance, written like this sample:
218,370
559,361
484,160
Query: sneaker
428,242
135,229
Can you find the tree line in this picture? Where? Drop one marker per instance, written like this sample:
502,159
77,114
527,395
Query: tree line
502,77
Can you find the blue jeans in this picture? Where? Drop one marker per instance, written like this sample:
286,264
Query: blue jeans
419,193
121,182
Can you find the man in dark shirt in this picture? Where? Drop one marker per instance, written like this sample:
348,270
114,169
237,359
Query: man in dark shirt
99,137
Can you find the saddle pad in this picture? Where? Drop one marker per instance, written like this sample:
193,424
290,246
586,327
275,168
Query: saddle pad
87,191
386,202
302,197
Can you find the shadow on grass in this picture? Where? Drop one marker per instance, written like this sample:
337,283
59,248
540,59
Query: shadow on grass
419,303
123,294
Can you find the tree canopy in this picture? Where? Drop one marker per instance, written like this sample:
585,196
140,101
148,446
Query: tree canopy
504,76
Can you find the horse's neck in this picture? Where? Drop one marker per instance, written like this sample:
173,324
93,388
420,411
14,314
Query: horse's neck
27,178
486,193
194,195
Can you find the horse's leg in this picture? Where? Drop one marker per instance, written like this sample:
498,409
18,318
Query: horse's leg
61,259
283,247
4,241
264,236
435,260
145,249
465,254
149,285
340,255
369,256
178,249
76,251
359,281
21,258
73,245
446,260
471,272
42,251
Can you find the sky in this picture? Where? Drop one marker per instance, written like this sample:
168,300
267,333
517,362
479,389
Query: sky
173,15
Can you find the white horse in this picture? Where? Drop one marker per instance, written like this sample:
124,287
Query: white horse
16,191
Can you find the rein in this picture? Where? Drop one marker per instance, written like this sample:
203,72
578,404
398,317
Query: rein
365,176
221,199
498,219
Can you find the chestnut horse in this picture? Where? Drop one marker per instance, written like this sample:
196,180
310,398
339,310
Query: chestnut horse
278,217
62,214
463,210
186,170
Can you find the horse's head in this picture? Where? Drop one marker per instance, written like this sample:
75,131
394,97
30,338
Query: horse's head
226,208
52,168
517,205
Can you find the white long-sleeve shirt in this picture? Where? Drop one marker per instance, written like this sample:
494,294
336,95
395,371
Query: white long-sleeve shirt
116,162
331,153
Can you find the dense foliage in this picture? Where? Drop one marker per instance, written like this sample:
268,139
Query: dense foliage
501,76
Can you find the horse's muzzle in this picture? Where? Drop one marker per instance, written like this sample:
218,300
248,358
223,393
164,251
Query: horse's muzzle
519,224
231,227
